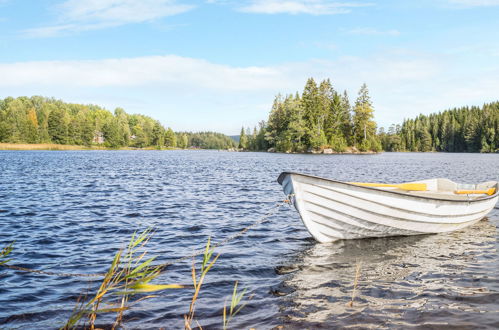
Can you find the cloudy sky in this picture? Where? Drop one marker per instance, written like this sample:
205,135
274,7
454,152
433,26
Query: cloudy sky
217,64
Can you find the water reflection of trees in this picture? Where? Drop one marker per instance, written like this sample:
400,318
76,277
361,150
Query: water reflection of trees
399,278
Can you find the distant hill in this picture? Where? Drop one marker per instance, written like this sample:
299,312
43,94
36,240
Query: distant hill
235,138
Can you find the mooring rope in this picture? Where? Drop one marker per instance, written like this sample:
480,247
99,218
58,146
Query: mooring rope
166,264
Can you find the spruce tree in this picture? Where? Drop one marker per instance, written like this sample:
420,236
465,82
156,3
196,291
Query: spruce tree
364,125
243,140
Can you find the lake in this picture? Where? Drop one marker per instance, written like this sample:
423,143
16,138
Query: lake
70,211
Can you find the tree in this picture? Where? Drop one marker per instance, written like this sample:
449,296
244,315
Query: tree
112,135
243,140
47,120
346,119
58,125
456,130
170,138
158,134
185,141
313,116
32,126
364,125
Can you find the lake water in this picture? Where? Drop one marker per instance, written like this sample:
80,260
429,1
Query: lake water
71,211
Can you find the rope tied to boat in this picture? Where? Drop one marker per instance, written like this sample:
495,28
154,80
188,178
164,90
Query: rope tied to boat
289,200
194,254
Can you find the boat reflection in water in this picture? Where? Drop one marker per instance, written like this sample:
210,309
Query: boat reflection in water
432,280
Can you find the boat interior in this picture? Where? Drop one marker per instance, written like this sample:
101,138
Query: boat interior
448,189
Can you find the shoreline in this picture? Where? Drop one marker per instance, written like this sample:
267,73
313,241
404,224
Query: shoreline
62,147
69,147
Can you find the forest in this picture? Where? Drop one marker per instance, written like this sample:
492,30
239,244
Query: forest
323,118
320,118
38,119
465,129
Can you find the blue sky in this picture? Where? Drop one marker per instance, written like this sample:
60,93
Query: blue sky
217,65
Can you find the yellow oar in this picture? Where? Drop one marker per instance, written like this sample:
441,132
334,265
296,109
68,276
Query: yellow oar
489,191
403,186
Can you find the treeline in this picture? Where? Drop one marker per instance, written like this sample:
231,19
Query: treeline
46,120
466,129
318,119
205,140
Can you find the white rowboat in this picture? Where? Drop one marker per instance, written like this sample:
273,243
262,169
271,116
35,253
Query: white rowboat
333,210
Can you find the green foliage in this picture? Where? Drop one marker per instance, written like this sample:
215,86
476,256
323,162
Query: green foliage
466,129
243,140
128,276
319,118
45,120
58,125
391,141
205,140
170,138
364,126
198,279
5,252
338,143
235,306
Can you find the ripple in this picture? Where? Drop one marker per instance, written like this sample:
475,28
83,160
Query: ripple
72,211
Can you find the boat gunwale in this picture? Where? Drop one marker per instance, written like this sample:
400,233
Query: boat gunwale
281,177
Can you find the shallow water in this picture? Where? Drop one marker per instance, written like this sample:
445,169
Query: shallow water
71,211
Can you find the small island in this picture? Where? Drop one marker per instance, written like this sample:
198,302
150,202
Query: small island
321,120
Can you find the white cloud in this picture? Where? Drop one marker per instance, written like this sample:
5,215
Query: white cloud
312,7
56,30
373,32
84,15
324,45
121,11
195,94
140,71
474,3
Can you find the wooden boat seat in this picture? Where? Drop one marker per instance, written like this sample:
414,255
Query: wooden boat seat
445,188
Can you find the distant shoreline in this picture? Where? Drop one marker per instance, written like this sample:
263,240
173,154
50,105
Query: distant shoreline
67,147
61,147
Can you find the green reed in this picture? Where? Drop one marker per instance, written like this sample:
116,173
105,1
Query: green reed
234,303
123,286
5,252
208,262
128,281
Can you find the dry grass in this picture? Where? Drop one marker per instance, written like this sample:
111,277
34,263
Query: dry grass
53,146
355,282
46,146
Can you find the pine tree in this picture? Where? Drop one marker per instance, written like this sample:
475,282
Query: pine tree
243,140
313,119
364,125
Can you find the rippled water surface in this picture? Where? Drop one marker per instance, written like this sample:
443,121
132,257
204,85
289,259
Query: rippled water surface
71,211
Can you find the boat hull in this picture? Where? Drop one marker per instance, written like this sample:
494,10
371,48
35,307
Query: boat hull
333,210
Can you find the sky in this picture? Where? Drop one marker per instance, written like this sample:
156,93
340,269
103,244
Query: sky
218,64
